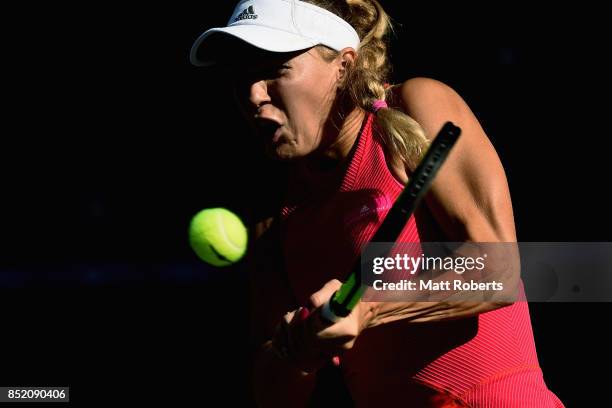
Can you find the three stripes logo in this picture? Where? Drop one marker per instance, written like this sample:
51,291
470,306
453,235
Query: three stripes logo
247,14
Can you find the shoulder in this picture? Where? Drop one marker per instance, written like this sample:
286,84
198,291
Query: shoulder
431,103
422,84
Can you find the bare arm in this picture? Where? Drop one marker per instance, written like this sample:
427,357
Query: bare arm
469,198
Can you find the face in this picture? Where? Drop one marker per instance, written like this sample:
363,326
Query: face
288,99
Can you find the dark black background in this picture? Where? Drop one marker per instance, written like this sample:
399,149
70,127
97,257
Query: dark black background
112,141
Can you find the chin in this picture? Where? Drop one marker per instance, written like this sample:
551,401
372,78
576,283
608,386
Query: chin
283,156
284,152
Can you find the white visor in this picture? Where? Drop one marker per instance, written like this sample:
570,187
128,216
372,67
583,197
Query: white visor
277,26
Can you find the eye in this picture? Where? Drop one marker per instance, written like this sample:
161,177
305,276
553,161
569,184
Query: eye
278,70
269,72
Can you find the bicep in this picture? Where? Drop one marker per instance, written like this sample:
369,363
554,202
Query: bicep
469,198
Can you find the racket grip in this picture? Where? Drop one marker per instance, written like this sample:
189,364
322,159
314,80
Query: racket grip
328,314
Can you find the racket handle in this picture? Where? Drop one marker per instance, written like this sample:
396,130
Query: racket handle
328,314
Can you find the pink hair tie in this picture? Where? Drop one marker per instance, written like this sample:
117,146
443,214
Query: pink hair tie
378,105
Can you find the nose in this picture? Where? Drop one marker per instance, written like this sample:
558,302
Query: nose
258,94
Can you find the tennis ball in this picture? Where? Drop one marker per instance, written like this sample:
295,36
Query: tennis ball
218,236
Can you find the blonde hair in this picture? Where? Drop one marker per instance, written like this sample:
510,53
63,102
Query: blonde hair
402,137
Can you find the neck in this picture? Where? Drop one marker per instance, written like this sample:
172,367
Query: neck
342,140
326,162
337,145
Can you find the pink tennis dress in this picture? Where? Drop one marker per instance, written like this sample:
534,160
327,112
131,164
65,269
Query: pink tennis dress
485,361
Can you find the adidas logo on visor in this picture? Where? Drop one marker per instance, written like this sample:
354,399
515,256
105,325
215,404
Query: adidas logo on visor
247,14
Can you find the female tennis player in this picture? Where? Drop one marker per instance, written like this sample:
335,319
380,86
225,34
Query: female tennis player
310,76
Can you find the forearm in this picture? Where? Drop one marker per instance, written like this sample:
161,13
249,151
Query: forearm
420,312
278,383
433,306
441,294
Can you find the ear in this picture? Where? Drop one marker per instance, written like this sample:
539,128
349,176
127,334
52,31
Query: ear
345,60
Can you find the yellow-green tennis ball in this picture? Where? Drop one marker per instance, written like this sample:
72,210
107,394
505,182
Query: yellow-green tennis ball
218,236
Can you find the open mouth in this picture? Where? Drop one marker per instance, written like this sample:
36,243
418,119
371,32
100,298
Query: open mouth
268,128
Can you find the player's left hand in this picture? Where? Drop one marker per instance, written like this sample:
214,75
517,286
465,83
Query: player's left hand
309,340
